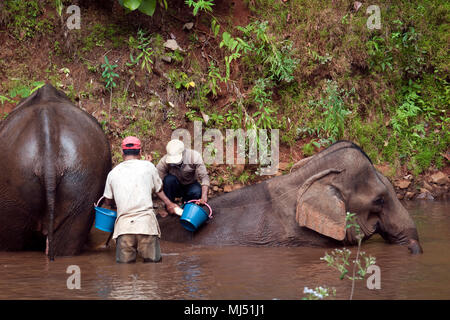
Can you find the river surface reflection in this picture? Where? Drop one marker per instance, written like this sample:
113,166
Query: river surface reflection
189,272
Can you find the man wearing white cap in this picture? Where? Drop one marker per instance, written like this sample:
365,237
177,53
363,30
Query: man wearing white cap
183,173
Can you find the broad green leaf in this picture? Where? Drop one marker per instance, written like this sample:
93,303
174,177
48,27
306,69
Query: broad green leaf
132,4
148,7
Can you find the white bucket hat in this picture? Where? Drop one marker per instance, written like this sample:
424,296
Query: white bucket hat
174,150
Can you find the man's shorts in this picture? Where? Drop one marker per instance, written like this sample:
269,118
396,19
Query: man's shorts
128,245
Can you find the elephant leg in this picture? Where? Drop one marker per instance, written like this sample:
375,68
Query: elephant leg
18,230
74,215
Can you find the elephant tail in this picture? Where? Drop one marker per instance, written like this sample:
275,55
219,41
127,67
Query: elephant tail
50,195
50,175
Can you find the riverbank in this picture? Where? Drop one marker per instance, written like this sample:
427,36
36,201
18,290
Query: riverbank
320,75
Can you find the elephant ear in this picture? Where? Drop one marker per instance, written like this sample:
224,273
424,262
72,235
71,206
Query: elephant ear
320,206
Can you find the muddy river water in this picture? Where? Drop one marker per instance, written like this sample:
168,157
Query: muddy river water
188,272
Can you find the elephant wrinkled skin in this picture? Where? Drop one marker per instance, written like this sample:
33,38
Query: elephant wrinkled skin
54,159
307,207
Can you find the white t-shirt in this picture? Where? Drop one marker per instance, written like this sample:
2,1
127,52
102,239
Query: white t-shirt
131,184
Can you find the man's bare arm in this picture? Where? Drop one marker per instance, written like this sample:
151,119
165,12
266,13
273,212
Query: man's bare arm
169,204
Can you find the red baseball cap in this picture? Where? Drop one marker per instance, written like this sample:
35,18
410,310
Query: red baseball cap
131,143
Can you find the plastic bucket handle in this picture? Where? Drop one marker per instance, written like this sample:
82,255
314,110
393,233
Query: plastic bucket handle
197,201
98,202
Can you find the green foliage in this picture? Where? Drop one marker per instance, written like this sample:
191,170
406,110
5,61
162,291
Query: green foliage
420,127
170,119
214,77
261,96
334,112
145,6
275,56
318,58
399,52
59,6
4,98
180,80
142,127
108,74
234,118
99,34
215,27
309,149
380,56
236,46
23,91
203,5
339,259
24,18
144,52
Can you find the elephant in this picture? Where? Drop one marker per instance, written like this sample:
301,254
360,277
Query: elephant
307,207
54,160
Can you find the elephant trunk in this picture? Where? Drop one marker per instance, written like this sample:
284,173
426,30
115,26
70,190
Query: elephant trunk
414,246
398,227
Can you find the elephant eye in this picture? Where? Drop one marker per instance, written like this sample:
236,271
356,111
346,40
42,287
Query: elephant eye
378,201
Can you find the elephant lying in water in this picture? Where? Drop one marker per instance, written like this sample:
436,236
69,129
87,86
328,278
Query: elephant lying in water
307,207
54,162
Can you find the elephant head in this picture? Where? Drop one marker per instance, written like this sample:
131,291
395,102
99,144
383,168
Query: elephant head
342,179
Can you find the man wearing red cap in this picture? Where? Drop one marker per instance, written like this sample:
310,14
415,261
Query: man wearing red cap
131,184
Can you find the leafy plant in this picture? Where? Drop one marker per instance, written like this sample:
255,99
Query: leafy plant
144,52
234,118
236,46
277,56
339,260
4,98
216,119
380,54
108,76
215,27
59,6
203,5
24,18
170,119
261,95
192,116
214,77
318,58
332,125
25,91
180,80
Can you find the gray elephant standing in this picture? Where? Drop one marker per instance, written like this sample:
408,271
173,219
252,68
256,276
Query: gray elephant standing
307,207
54,159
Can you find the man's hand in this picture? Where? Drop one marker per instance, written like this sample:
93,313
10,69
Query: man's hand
203,200
170,207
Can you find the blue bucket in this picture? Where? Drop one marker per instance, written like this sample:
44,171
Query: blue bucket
105,219
194,216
